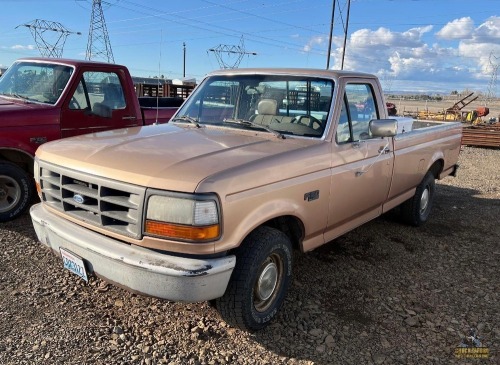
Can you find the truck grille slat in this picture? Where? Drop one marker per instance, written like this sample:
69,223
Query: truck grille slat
104,203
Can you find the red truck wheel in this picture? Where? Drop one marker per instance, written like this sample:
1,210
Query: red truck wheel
415,211
16,191
260,280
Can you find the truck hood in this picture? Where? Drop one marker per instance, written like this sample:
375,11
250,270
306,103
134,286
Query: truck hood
15,113
165,156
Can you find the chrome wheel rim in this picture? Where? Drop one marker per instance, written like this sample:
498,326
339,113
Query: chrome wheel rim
10,193
424,200
268,282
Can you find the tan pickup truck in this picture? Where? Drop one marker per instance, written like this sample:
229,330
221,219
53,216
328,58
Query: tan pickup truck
256,163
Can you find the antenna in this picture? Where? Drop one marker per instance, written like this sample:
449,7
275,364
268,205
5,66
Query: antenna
230,56
492,87
98,45
51,46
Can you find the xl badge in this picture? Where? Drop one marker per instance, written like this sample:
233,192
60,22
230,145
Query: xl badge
79,198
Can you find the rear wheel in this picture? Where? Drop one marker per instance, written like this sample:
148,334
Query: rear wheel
416,210
260,280
16,191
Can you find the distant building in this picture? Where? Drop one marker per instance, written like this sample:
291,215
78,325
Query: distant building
153,86
2,71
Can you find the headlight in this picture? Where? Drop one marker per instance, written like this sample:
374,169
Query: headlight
185,217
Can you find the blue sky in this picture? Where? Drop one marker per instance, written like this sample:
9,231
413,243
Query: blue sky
412,45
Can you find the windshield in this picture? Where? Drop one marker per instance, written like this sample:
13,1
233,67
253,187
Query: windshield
35,82
288,105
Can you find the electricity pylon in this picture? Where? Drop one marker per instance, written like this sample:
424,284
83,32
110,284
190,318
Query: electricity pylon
98,46
230,56
492,87
49,46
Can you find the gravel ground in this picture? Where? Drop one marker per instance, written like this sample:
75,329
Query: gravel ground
382,294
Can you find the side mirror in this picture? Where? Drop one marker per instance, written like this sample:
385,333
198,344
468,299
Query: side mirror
383,127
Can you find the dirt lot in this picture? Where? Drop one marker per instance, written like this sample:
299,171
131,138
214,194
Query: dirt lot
384,294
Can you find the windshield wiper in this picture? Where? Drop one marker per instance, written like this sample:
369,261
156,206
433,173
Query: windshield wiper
187,118
19,96
255,125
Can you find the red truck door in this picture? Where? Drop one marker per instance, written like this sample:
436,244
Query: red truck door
97,102
361,165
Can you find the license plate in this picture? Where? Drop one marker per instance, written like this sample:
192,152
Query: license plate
73,263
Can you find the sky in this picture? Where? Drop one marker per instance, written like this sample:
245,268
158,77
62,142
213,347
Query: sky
431,46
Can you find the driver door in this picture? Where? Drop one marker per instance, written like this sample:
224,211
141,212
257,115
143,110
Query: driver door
361,167
97,103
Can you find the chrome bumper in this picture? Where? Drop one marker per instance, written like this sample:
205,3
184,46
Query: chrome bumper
135,268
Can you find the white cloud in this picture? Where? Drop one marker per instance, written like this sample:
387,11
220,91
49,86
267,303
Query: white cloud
314,41
385,37
418,57
457,29
29,47
489,31
484,45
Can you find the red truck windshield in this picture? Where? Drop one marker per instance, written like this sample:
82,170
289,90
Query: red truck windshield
285,104
35,82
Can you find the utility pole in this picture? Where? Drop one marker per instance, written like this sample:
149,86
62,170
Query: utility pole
328,56
184,49
345,32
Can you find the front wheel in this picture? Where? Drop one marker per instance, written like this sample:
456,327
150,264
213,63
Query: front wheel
260,280
415,211
16,191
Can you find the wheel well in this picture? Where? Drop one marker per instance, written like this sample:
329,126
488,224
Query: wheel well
437,168
19,158
289,225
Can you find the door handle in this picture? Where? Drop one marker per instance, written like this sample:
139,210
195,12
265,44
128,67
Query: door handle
129,118
384,150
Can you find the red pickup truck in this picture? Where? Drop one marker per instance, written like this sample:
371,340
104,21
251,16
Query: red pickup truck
44,99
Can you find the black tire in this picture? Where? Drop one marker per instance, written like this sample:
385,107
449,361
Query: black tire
16,191
260,280
416,211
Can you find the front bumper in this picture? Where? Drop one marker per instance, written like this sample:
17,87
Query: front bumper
135,268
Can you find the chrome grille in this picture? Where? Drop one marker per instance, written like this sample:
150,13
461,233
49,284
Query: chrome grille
105,203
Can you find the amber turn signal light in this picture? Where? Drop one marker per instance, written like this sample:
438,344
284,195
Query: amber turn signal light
38,189
191,233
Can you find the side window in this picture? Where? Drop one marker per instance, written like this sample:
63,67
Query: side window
79,100
344,127
360,107
100,92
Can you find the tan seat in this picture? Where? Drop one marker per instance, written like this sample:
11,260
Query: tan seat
267,110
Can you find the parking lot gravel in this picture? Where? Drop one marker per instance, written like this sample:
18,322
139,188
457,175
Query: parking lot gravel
384,293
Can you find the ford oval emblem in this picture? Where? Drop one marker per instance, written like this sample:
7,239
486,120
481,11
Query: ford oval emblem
79,198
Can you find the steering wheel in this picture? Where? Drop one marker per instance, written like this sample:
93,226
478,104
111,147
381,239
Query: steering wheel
73,103
312,123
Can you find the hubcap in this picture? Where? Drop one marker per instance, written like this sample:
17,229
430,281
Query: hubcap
424,201
268,282
10,193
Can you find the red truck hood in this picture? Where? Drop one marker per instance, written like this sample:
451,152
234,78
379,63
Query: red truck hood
165,156
17,113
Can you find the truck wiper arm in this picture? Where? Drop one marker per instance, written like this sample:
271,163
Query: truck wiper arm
187,118
19,96
255,125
